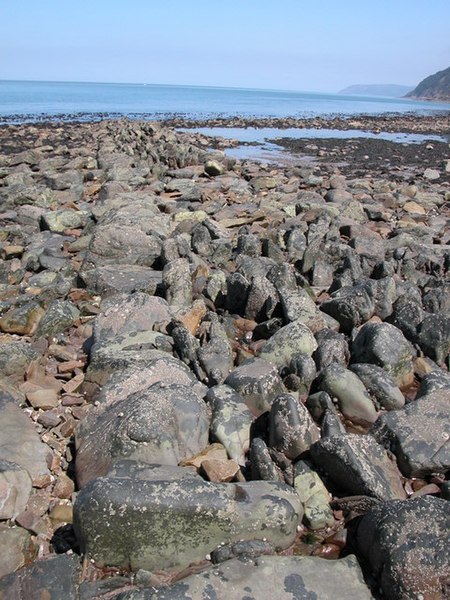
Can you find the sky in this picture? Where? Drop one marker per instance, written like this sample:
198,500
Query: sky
314,45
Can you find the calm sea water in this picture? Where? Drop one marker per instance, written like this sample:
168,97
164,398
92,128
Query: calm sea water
32,100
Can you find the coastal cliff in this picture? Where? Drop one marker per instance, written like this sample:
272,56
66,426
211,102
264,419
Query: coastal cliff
434,87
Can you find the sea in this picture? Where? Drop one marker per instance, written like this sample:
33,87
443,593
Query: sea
34,101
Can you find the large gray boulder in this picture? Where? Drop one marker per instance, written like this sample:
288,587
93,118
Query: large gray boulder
160,368
127,313
384,345
351,393
17,549
113,279
358,465
163,521
380,386
287,342
406,545
230,421
291,428
127,234
280,577
351,306
433,336
436,380
258,382
60,220
418,434
162,424
139,349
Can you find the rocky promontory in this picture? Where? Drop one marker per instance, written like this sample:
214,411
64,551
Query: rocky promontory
221,378
434,87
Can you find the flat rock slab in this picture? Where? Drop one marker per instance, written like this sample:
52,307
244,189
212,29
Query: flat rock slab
406,544
168,524
280,577
19,443
419,434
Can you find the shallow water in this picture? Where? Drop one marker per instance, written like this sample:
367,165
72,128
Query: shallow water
267,151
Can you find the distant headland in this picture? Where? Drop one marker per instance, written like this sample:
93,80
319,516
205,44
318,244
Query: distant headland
434,87
388,90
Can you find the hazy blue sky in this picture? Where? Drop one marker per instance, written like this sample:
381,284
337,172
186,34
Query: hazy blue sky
317,45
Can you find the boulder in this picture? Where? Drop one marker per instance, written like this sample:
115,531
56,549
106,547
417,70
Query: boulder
60,315
22,320
406,545
116,279
314,497
436,380
380,386
433,336
287,342
60,220
291,428
216,359
350,306
162,368
157,523
358,465
178,283
332,348
262,465
138,349
298,305
351,393
15,356
262,299
384,345
230,421
162,424
258,383
127,313
418,434
114,243
17,550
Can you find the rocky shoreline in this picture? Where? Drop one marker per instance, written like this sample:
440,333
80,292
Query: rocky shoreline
222,378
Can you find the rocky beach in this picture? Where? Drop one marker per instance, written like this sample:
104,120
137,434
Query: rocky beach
223,378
